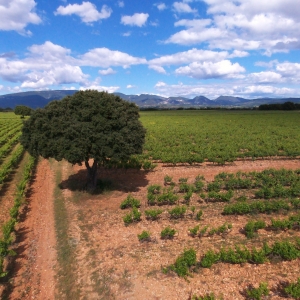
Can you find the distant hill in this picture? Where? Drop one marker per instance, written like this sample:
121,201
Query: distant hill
37,99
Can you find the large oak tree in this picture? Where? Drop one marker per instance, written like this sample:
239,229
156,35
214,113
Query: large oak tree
87,125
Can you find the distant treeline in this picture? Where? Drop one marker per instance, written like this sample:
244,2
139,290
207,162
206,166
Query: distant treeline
280,106
7,109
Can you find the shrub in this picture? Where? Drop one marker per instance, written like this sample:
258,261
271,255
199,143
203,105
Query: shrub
130,202
209,258
133,216
210,296
177,212
148,165
194,231
154,189
293,289
153,214
257,293
184,262
167,233
144,236
252,227
199,215
286,250
214,186
168,179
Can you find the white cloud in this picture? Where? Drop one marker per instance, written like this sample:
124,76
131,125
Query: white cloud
128,33
192,55
288,69
242,25
130,86
109,89
160,6
51,65
108,71
206,70
17,14
183,7
138,19
212,91
266,77
104,58
121,3
158,69
87,11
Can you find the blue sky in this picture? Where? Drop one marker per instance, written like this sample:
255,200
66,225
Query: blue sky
244,48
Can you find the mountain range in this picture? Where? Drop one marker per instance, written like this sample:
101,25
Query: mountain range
40,99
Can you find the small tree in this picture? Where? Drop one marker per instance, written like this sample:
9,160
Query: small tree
22,110
87,125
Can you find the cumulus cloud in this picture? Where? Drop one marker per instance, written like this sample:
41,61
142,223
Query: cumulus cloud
49,64
138,19
158,69
160,6
243,25
17,14
206,70
121,3
183,7
212,91
87,11
266,77
100,88
130,86
104,58
192,55
108,71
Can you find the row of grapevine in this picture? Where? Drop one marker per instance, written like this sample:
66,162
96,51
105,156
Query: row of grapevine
9,226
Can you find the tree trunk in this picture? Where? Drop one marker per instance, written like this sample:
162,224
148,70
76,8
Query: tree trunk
91,183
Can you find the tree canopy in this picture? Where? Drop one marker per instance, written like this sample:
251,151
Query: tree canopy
22,110
87,125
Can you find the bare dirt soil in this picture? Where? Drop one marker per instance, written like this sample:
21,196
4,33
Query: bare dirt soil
34,264
110,261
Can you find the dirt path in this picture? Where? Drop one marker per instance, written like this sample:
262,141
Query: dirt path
34,265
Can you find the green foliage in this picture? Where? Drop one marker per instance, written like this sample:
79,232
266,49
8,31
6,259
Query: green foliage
130,202
148,165
144,236
209,258
153,214
199,215
194,231
87,125
210,296
133,216
242,208
167,233
252,227
214,186
293,289
168,179
177,212
23,110
257,293
184,262
220,197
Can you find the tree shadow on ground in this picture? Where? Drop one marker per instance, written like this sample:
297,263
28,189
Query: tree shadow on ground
124,180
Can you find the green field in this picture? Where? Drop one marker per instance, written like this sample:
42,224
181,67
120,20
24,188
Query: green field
220,136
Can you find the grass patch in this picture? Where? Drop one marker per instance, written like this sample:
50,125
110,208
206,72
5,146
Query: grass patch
66,279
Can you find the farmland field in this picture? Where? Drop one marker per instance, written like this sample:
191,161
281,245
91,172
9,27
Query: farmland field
235,222
220,136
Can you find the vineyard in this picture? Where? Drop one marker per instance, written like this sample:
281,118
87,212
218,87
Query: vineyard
195,136
15,172
215,216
